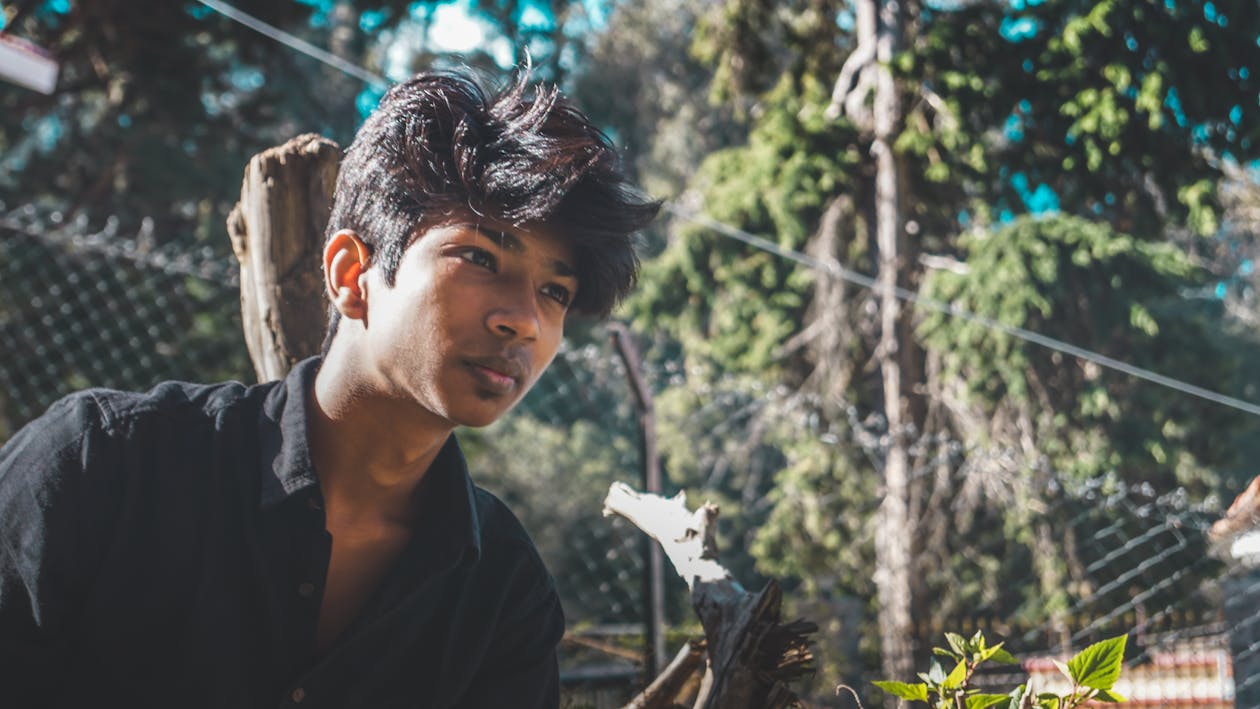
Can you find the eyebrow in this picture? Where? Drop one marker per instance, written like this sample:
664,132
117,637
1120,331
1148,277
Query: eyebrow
511,243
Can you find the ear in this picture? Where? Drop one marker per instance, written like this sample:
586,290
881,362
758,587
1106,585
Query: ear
346,258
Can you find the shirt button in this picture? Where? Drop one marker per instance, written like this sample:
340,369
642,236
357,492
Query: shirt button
305,590
298,695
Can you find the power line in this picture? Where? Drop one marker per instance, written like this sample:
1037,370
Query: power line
836,269
292,42
830,266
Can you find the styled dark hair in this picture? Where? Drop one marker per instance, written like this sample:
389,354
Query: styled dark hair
440,145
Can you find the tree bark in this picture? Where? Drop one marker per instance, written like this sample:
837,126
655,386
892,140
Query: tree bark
277,232
894,533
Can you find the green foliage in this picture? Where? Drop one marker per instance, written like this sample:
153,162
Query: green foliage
1098,666
1093,672
1111,118
723,302
160,104
1084,283
1118,106
659,108
914,692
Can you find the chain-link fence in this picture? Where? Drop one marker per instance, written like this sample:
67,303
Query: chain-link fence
1029,554
86,307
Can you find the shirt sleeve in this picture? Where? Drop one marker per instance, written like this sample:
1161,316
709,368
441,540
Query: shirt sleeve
41,557
522,669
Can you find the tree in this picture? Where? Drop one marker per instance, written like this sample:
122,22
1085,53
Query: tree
105,143
1120,113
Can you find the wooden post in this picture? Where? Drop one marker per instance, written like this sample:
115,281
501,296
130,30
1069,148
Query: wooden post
654,576
277,232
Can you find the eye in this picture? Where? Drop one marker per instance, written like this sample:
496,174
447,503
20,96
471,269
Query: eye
558,293
479,257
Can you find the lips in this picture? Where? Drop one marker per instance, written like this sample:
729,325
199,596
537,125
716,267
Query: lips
500,375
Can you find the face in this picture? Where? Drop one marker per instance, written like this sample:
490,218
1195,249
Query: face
475,315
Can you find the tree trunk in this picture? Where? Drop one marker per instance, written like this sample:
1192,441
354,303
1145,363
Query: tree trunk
277,232
894,533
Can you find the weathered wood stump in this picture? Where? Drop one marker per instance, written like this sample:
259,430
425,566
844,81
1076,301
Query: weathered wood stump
277,232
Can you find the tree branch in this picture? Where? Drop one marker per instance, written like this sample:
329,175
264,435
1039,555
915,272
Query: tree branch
752,655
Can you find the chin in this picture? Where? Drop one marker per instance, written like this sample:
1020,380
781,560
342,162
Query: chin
475,421
481,416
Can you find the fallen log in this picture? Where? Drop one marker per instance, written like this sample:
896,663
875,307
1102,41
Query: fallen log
751,655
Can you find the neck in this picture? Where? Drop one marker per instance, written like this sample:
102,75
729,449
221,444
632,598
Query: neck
369,449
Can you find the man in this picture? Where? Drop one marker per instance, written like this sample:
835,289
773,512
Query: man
317,541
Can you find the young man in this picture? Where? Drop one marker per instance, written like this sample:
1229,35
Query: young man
317,541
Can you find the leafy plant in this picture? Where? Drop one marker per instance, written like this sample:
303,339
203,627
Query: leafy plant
1093,672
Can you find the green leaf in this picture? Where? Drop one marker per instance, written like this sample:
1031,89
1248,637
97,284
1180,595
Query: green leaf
914,692
1001,655
956,676
944,653
1017,696
1198,42
1046,700
1098,666
1107,695
1064,669
997,654
956,642
936,673
981,701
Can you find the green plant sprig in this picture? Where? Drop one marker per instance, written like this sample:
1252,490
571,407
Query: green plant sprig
1092,671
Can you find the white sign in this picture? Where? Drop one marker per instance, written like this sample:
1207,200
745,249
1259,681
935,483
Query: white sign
27,65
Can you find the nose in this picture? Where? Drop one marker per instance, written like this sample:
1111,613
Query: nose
515,318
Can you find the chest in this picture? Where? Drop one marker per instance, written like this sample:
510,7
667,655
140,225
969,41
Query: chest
361,559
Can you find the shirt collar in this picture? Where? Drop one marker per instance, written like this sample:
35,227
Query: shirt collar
447,497
283,443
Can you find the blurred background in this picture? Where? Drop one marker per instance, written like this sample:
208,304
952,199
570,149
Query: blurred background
952,307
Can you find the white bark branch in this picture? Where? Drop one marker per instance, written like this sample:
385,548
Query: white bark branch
850,79
686,537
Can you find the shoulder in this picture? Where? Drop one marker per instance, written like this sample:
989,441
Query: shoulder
511,565
503,537
93,428
117,410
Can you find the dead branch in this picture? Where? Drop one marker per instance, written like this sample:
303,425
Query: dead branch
664,690
751,653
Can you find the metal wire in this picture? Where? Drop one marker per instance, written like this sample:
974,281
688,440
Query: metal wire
836,269
296,43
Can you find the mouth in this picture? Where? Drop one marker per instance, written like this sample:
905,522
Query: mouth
499,375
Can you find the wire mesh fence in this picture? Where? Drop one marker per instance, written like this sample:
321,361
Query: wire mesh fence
1029,554
86,307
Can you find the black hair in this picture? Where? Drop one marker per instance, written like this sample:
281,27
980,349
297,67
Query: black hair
440,146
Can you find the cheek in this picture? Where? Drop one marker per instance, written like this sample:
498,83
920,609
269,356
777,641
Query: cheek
547,353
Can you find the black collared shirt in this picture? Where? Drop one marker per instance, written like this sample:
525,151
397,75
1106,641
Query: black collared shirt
168,549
